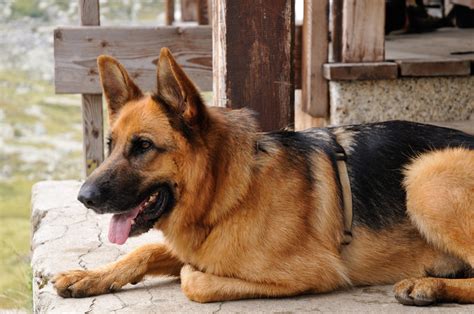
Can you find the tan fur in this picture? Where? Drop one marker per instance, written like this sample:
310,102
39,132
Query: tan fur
440,199
226,240
387,256
440,203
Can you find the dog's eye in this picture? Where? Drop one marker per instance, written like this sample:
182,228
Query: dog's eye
109,145
144,145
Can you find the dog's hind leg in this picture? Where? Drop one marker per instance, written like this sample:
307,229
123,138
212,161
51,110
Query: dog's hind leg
440,202
152,259
203,287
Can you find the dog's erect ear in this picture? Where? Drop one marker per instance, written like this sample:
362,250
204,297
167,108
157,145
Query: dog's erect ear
178,90
117,85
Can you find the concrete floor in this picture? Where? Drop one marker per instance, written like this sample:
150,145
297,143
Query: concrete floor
445,43
67,236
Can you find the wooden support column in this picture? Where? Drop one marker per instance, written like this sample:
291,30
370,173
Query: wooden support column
92,113
189,10
169,12
314,88
335,29
253,58
363,38
204,11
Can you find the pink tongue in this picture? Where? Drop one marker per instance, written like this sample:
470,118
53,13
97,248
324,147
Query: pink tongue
120,226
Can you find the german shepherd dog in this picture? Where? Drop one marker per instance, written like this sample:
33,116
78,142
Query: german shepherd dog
248,214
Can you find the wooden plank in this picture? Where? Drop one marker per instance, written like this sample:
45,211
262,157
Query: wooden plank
189,10
434,67
298,55
303,120
361,71
89,12
315,90
93,131
203,12
76,50
92,114
219,96
335,26
169,12
363,24
253,45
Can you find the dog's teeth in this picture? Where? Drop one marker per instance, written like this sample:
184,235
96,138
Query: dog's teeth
133,222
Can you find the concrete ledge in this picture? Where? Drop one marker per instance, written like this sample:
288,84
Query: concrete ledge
67,236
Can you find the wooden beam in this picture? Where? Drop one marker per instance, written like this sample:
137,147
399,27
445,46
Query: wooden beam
93,131
253,50
434,67
189,10
89,12
298,55
360,71
92,113
363,38
76,50
314,94
169,12
203,12
335,26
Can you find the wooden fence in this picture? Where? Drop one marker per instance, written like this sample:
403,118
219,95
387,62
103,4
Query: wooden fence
253,55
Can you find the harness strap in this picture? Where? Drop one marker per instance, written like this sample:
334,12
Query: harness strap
346,196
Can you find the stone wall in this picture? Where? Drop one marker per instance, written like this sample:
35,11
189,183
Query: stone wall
433,99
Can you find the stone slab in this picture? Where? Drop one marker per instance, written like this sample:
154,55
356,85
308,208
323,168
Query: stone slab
415,99
68,236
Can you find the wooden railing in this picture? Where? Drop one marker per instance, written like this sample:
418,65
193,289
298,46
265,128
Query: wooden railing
252,56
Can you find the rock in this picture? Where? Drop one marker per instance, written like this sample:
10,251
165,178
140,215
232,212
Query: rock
65,236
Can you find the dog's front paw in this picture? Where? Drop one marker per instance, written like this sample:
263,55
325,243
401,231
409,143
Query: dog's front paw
418,291
84,283
196,285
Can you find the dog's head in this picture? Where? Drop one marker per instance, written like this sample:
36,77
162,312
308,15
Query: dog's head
152,136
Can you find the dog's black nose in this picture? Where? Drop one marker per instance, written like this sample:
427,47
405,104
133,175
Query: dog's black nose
90,196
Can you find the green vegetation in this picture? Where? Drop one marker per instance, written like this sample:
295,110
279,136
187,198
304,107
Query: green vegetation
36,128
26,8
15,273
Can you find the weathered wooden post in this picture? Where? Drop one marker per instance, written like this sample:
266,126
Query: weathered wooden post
189,10
314,87
92,113
169,12
253,58
203,12
363,31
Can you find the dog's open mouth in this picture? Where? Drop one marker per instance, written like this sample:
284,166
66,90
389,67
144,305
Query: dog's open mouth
142,217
